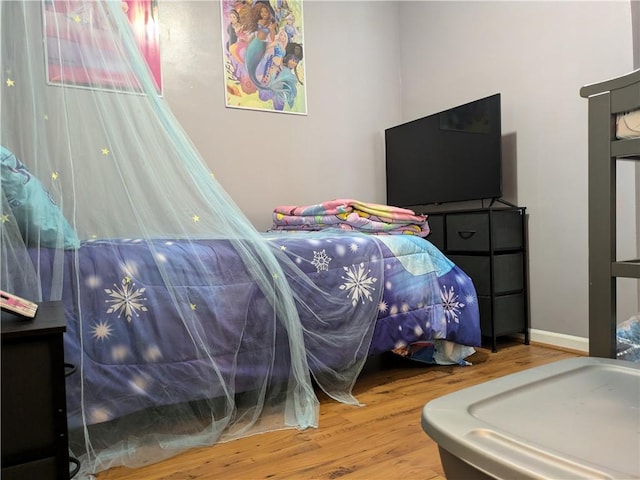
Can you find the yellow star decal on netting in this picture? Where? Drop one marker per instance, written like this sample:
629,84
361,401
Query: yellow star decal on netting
212,175
54,176
283,248
77,19
195,218
192,306
105,151
5,218
126,279
45,117
10,83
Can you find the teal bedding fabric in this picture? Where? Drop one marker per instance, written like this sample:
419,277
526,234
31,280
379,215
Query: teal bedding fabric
38,218
628,338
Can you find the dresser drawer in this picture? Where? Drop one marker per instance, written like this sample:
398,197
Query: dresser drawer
469,232
436,228
28,403
509,315
508,272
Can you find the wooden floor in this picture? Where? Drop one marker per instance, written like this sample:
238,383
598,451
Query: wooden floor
383,439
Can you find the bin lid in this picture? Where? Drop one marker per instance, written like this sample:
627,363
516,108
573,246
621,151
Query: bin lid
571,419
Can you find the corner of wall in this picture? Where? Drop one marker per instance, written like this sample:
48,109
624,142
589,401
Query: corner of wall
635,29
635,32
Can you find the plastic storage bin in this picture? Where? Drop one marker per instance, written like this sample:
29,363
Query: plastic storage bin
572,419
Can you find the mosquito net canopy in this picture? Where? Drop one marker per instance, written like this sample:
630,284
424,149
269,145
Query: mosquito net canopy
186,325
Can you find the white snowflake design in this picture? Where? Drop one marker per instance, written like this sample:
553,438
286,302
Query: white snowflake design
358,283
321,260
102,330
126,299
452,307
470,299
383,307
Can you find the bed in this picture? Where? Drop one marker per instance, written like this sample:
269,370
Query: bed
178,340
174,304
614,134
135,353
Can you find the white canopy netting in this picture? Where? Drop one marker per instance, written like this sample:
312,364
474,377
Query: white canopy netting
108,207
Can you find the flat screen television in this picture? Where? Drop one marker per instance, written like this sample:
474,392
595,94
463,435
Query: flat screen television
451,156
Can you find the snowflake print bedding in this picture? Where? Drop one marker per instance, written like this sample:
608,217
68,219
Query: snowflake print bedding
363,295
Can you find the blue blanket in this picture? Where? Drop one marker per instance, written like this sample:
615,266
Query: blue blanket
137,339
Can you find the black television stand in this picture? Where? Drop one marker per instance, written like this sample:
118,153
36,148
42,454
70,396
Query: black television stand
503,201
490,245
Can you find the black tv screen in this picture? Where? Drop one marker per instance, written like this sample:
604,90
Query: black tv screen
450,156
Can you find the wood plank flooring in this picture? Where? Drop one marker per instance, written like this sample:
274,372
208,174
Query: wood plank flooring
383,439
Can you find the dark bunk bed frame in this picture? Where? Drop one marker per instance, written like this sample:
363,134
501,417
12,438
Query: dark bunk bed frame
606,100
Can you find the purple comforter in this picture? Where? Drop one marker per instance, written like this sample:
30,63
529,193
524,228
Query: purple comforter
137,349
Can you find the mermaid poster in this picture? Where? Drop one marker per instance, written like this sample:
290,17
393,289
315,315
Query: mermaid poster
264,55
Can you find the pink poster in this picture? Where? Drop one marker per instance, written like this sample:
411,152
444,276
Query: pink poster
81,50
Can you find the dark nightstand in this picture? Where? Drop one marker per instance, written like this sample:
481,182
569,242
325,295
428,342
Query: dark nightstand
34,413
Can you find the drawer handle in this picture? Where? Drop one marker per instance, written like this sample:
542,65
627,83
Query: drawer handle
76,466
466,234
70,369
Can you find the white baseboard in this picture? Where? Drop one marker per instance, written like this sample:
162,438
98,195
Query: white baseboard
559,340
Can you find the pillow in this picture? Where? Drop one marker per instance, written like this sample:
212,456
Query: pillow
39,219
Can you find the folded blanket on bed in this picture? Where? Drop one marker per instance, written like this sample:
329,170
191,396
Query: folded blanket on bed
332,207
385,213
400,230
350,214
313,220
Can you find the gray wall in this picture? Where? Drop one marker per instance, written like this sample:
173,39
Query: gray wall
266,159
538,55
635,12
373,64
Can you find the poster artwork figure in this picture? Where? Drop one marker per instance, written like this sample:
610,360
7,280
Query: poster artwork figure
263,54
